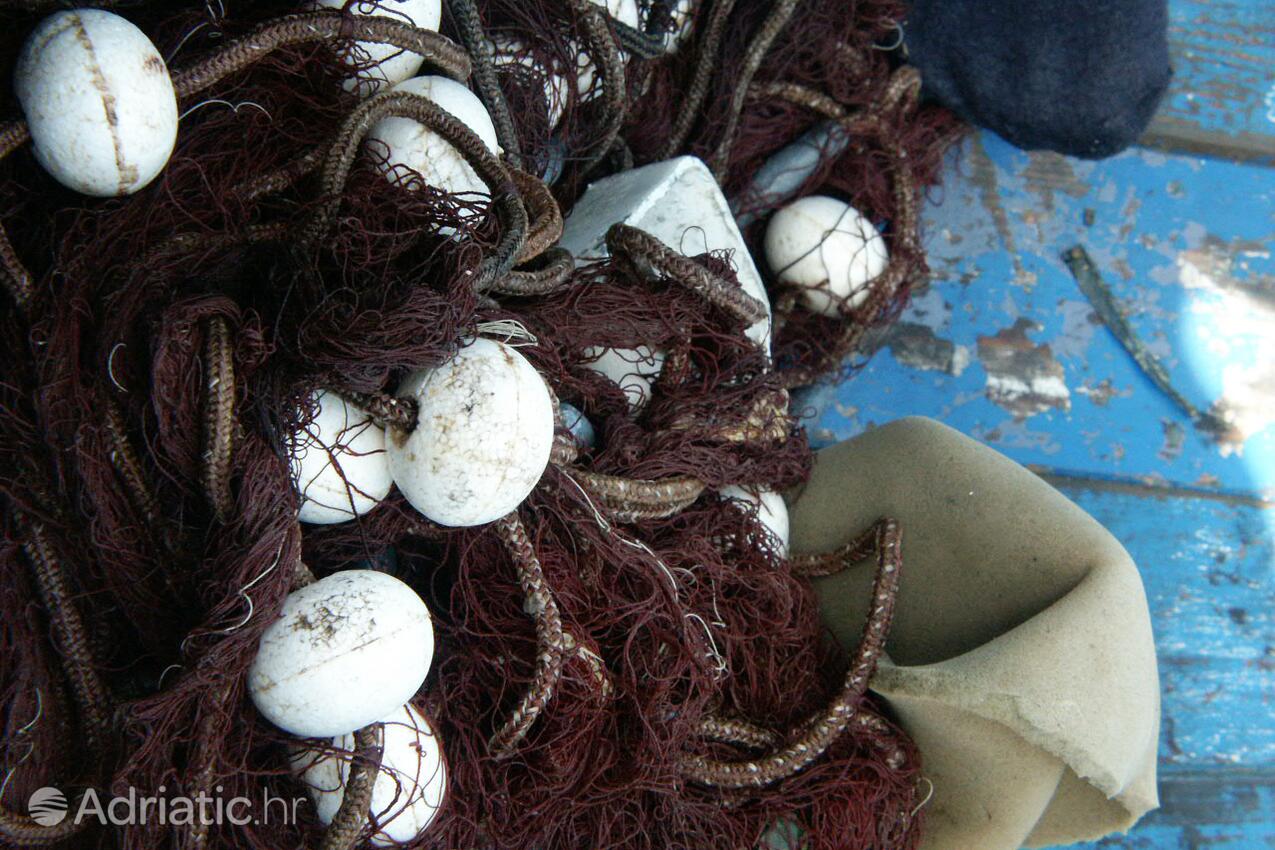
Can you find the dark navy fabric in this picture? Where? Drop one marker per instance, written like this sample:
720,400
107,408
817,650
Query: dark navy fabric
1075,76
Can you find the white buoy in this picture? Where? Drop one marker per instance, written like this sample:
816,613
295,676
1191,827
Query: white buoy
632,369
482,438
384,64
345,652
338,462
98,100
409,144
770,509
409,786
828,249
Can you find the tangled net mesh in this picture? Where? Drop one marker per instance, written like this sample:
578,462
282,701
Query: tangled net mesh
164,347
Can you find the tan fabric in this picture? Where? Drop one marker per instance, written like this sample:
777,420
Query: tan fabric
1021,657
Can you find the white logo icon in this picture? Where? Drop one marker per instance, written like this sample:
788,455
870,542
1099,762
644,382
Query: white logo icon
47,806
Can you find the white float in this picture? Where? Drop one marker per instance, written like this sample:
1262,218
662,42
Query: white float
98,100
345,652
392,64
409,144
827,248
633,369
338,463
770,509
678,202
482,437
409,787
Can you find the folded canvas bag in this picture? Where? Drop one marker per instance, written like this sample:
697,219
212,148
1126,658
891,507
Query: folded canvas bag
1020,660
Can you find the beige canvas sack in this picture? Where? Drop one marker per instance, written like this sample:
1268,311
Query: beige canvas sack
1021,657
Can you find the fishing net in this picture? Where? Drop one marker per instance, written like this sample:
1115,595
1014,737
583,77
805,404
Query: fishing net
628,660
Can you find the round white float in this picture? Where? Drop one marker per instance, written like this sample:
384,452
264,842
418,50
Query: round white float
770,509
99,102
411,145
345,652
409,787
482,438
338,462
826,247
633,369
392,65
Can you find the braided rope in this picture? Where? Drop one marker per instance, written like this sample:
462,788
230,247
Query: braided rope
697,91
823,730
219,416
326,25
469,26
549,637
651,257
90,692
770,28
505,198
356,797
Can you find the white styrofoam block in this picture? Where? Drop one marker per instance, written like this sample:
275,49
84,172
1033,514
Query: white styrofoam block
678,202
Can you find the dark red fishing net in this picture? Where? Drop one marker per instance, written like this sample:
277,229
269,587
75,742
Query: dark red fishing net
164,347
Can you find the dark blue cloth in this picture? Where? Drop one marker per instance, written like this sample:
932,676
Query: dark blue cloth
1074,76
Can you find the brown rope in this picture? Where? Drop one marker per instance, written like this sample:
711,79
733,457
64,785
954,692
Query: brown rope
128,465
469,26
542,209
280,178
90,692
825,728
356,798
820,564
770,28
602,47
555,273
219,416
505,198
766,422
549,637
693,100
19,830
739,733
386,410
651,257
438,50
639,498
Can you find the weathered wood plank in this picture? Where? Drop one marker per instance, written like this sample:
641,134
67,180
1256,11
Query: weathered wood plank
1222,100
1209,569
1004,345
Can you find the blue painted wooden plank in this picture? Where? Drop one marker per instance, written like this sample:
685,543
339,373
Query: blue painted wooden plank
1209,570
1222,99
1004,346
